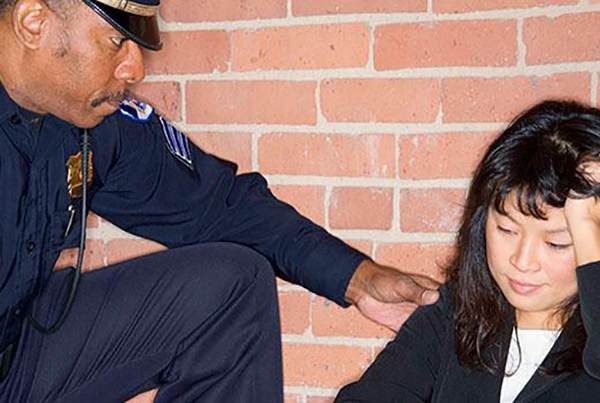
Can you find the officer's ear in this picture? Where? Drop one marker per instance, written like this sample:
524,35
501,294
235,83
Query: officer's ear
29,18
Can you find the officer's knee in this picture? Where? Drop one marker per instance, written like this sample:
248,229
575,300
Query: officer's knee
224,271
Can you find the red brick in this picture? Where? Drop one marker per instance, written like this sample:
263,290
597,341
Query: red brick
474,99
295,311
119,250
571,38
164,96
234,147
426,259
368,155
328,319
314,47
319,399
453,43
361,208
93,221
190,52
380,100
260,102
292,398
223,10
308,200
465,6
431,210
327,366
320,7
432,156
92,259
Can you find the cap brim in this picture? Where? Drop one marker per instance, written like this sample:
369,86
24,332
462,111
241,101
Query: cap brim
142,30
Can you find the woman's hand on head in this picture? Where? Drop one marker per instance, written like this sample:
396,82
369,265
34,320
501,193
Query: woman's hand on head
583,220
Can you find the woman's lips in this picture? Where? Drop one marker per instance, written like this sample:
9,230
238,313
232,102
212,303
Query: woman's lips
523,288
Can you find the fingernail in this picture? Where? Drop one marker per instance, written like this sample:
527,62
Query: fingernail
430,296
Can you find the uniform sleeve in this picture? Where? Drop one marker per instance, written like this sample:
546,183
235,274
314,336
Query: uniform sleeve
588,280
406,370
145,188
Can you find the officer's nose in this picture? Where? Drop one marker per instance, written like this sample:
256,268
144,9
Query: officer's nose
131,69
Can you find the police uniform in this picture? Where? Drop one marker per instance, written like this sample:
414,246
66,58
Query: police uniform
198,321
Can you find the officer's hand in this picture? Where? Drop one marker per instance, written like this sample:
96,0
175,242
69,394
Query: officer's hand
583,220
388,296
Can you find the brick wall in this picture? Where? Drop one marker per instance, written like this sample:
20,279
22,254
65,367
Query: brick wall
368,116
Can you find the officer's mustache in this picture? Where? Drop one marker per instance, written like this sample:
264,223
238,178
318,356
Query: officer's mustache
112,98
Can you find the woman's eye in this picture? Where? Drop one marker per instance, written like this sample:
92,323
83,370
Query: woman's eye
558,246
504,230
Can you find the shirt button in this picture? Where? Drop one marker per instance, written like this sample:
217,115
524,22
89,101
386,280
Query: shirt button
15,120
30,246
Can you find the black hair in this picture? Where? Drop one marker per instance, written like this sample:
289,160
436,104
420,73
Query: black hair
538,157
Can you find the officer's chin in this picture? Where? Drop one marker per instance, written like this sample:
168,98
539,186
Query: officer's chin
88,123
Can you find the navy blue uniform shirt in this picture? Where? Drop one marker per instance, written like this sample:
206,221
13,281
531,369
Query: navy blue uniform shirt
144,186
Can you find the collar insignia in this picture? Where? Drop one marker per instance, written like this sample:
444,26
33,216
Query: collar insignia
136,110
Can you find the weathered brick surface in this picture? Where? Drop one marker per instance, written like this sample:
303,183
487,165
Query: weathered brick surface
575,38
432,156
455,43
118,250
431,210
222,10
321,7
347,208
91,260
190,52
465,6
475,99
329,366
295,314
258,102
314,47
368,155
426,259
380,100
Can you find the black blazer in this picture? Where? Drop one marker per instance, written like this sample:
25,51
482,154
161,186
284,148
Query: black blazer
420,364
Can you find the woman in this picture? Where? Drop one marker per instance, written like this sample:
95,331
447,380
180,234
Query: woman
519,318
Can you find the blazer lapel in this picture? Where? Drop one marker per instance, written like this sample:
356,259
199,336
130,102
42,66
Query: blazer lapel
540,382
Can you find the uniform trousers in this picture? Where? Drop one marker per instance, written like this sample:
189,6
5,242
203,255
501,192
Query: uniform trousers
200,323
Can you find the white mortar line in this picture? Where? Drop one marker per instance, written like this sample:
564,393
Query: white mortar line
352,128
336,340
340,181
405,73
521,48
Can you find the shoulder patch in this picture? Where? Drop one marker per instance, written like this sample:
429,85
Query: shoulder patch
177,142
136,110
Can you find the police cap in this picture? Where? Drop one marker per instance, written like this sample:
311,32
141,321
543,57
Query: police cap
134,19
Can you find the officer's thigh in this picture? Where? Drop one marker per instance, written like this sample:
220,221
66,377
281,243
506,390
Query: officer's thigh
169,320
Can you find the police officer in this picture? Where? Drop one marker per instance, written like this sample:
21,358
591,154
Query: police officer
198,322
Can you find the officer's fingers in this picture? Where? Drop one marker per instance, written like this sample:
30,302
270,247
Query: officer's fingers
415,288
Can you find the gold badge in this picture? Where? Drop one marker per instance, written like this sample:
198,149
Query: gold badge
75,174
